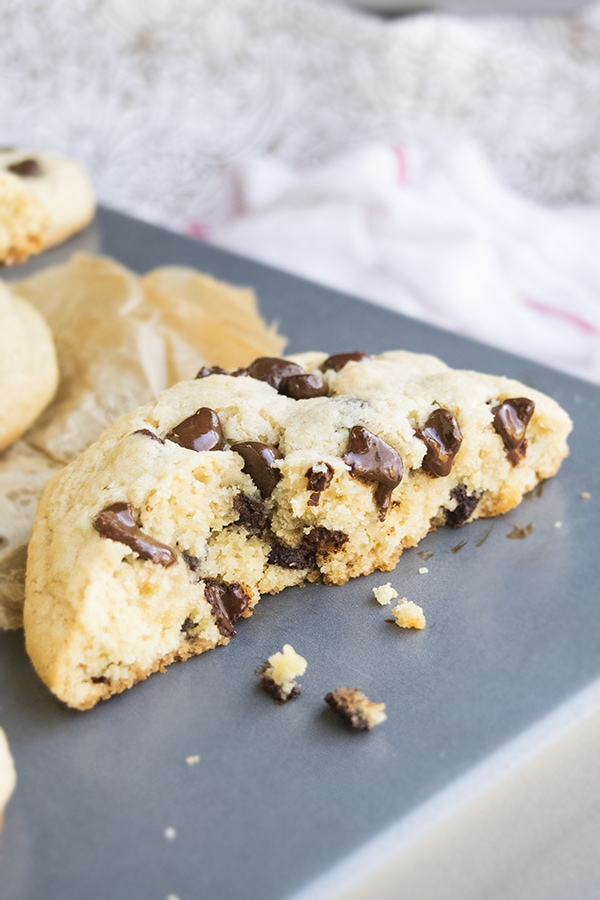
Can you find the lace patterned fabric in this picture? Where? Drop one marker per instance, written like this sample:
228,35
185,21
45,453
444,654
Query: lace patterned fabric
159,99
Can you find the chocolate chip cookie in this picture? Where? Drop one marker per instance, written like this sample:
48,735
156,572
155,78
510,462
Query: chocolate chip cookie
152,545
44,199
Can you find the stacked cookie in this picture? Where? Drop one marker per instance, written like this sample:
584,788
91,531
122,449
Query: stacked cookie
150,545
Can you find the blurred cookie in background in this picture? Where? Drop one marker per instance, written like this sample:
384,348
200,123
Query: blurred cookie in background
44,199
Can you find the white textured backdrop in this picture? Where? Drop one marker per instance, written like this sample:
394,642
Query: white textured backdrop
159,98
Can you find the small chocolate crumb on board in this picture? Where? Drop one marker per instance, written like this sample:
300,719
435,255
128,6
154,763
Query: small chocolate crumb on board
351,705
278,674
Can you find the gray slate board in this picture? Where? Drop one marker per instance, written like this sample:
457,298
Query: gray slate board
283,795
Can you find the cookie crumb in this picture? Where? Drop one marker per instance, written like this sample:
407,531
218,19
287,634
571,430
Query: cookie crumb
408,614
384,594
423,570
585,495
278,674
355,708
192,760
558,524
170,833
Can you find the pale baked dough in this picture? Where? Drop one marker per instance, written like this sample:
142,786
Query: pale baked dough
99,617
28,365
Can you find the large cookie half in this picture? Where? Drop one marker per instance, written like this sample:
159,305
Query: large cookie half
149,546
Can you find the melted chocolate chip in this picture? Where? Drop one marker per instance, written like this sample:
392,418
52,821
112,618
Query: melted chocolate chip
240,373
319,479
442,437
371,459
303,387
116,522
258,464
150,434
251,513
339,360
511,419
201,431
26,168
188,627
302,557
192,562
100,679
272,370
228,602
205,371
464,509
326,541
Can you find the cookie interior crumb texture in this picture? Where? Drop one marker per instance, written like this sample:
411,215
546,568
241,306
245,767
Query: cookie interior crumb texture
409,614
384,594
355,708
8,775
151,545
279,672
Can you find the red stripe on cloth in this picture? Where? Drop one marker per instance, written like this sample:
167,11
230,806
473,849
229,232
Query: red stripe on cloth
572,318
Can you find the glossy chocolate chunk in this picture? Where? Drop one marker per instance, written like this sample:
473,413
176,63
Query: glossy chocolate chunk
303,387
251,513
26,168
258,464
442,437
201,431
116,522
272,370
228,602
339,360
371,459
205,371
465,506
511,419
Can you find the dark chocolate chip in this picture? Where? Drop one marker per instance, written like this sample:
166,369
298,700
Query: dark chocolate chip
251,513
150,434
464,509
303,387
100,679
274,690
511,419
205,371
188,627
192,562
26,168
200,431
272,370
318,479
258,464
442,437
228,602
325,541
302,557
371,459
339,360
240,373
116,522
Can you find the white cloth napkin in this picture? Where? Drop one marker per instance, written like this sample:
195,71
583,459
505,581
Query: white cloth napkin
435,234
